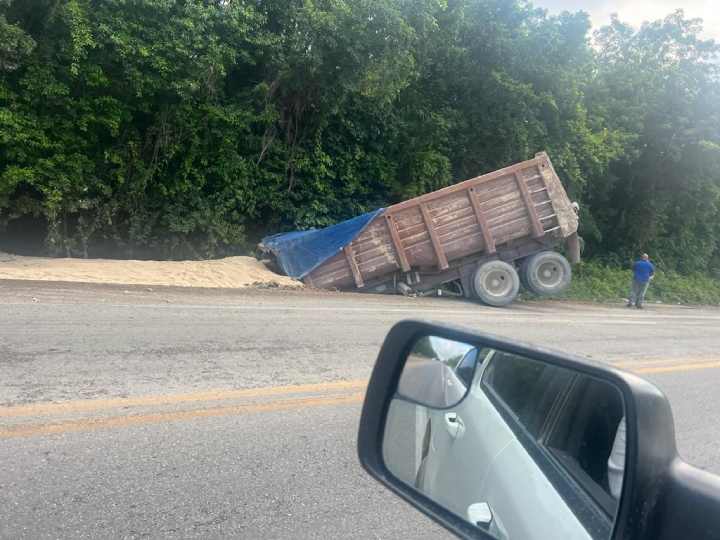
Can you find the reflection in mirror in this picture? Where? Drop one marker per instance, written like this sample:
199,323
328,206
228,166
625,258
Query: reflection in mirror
519,448
437,371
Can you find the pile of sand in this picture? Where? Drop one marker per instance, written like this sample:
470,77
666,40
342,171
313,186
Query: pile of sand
232,272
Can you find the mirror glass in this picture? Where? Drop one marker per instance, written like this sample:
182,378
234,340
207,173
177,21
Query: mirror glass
517,447
437,372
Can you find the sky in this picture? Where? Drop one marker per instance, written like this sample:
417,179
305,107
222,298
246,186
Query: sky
636,12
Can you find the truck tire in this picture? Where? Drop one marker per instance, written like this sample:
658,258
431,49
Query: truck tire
496,283
522,271
546,273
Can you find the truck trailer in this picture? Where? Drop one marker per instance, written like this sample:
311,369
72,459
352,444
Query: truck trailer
489,236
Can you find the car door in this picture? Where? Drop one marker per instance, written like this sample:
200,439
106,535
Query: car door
445,431
442,428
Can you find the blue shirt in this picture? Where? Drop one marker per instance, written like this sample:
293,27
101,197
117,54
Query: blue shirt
642,270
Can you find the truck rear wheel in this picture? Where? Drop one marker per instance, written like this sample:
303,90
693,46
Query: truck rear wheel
546,273
496,283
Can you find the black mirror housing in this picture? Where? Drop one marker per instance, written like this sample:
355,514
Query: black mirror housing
653,471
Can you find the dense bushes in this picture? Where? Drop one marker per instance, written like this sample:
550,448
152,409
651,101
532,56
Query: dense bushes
596,282
191,127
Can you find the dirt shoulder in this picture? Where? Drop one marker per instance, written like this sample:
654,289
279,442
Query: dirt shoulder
228,273
65,292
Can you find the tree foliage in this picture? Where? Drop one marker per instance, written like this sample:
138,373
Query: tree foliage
193,127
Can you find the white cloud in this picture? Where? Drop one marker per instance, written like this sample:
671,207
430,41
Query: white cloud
636,12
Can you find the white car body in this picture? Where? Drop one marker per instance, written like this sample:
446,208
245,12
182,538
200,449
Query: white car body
476,462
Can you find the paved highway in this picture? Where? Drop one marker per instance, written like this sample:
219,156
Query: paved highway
147,413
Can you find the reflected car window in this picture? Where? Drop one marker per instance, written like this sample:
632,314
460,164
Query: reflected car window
572,419
583,436
528,389
466,367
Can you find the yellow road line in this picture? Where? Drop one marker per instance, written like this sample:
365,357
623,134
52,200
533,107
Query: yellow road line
157,418
678,367
356,387
638,363
46,408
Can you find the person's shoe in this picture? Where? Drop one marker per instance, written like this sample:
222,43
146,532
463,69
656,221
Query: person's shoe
639,307
629,304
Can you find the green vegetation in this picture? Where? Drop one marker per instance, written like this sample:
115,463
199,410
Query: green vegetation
193,127
596,282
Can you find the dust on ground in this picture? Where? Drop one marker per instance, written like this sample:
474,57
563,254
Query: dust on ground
229,273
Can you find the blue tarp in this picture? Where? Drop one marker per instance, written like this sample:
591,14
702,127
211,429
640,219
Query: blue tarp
300,252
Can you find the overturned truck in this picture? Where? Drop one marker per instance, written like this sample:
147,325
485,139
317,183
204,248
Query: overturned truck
489,235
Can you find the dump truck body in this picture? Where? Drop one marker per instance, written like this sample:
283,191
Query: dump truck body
442,236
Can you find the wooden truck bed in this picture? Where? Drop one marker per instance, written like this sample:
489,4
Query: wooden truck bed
443,229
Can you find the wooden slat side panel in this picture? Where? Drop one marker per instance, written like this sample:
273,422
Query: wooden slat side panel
422,254
533,179
416,237
537,229
469,243
437,246
352,263
540,197
503,204
506,210
333,264
498,196
400,254
411,226
408,221
481,218
522,200
567,219
378,257
336,271
421,237
333,273
457,213
462,186
499,185
409,218
507,187
470,230
375,232
370,261
408,232
511,232
459,223
545,211
447,220
375,244
443,209
384,252
518,216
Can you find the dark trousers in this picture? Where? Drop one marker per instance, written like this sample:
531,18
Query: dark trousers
637,292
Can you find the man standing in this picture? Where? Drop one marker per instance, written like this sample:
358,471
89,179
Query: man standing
643,272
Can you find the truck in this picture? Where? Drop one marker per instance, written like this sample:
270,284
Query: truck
485,237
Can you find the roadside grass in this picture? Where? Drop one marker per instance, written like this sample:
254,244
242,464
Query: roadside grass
599,283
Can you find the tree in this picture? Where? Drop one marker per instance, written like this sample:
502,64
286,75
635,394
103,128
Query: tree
171,128
660,87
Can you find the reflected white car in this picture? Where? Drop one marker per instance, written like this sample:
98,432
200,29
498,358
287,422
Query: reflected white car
486,459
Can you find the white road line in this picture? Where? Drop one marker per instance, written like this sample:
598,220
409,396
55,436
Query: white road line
495,314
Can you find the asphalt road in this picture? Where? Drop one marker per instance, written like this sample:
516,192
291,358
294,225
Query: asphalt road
135,413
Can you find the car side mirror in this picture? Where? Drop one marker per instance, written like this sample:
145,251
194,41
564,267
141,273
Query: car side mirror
496,439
